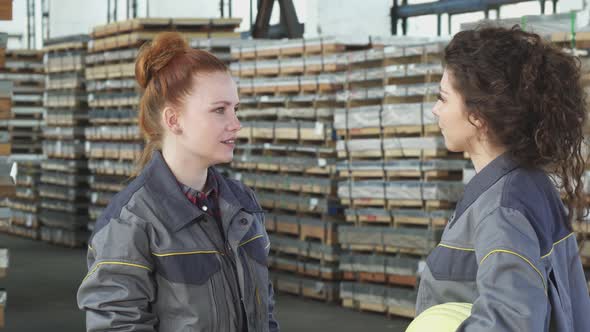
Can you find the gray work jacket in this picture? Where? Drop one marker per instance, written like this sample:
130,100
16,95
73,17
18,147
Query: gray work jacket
156,262
508,250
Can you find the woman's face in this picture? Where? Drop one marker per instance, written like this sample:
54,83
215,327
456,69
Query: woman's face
208,121
451,111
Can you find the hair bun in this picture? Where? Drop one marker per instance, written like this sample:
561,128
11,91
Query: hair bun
157,54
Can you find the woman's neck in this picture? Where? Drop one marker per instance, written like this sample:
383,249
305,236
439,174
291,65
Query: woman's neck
482,154
188,170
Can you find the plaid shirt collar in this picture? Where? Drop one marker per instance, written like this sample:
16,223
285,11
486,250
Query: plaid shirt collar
206,198
161,183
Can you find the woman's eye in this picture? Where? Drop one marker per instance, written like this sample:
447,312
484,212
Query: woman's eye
220,110
439,97
236,109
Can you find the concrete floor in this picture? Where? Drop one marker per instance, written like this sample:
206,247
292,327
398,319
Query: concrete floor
42,281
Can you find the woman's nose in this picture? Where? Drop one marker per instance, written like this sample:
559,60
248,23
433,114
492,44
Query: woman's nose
235,124
435,109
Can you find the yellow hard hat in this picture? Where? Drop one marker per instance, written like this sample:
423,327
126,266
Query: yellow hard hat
444,317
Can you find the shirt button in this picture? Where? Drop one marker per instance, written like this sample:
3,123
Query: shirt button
204,208
244,221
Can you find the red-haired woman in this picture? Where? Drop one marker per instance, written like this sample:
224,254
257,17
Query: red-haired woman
181,248
515,104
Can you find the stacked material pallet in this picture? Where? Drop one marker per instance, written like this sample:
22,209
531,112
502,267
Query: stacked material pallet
7,189
400,183
126,34
24,68
220,46
5,113
64,188
288,92
5,100
113,138
24,206
7,192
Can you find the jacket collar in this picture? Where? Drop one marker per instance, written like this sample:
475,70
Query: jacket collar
162,184
483,180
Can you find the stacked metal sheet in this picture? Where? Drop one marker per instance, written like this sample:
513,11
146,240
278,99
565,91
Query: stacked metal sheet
288,92
64,186
399,182
220,46
6,186
7,192
25,70
7,189
5,99
24,206
113,138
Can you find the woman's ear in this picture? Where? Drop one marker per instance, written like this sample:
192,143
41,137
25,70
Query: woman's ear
475,121
172,120
482,128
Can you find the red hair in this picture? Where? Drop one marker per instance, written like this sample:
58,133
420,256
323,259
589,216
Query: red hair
165,70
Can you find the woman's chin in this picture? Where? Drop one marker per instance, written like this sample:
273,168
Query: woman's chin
452,147
220,160
226,159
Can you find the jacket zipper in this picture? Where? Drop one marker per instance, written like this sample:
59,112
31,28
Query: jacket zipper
234,262
215,305
257,308
257,302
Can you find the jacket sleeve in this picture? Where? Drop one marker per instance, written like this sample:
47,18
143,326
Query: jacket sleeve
511,282
273,324
119,287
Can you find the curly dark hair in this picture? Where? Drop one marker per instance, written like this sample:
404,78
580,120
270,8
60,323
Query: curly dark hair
528,94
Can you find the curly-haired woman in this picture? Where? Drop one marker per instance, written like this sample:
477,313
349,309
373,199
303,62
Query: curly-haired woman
515,104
